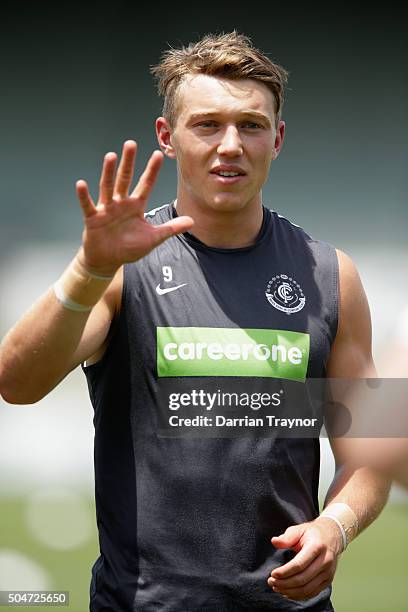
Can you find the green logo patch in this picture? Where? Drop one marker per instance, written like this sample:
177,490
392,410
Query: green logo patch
225,351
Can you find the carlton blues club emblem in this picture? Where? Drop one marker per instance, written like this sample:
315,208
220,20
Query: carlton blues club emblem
285,294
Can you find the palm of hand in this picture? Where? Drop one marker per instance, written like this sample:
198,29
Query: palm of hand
116,231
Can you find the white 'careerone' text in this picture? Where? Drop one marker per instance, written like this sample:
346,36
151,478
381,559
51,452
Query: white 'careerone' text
231,351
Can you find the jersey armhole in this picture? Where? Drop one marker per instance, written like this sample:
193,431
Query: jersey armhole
335,295
117,322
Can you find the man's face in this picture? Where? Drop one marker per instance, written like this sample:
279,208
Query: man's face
224,141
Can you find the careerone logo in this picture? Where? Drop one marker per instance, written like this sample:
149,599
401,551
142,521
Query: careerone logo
223,351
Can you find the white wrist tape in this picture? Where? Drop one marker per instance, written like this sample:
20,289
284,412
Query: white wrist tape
79,289
66,301
345,518
343,533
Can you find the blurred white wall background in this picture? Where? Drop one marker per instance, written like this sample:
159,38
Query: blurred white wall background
51,443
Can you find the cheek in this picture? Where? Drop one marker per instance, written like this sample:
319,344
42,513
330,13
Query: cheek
265,160
194,160
191,168
261,161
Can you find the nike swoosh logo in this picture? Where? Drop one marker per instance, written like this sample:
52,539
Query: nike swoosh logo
161,291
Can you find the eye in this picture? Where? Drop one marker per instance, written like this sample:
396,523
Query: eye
207,124
251,125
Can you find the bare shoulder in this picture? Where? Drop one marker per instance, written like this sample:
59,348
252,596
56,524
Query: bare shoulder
351,351
348,273
353,303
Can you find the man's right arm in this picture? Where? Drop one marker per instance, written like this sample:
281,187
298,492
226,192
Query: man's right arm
50,340
70,323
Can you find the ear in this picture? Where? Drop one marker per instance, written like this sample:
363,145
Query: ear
164,137
279,138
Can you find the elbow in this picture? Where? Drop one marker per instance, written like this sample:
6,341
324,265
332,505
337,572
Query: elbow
4,391
20,383
13,396
15,392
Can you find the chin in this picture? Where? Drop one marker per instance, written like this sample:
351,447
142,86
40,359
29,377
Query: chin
227,203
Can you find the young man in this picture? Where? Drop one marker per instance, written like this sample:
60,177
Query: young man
211,293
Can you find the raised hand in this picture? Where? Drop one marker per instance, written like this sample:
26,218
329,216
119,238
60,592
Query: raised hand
116,231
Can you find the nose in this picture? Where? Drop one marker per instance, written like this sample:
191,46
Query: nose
230,144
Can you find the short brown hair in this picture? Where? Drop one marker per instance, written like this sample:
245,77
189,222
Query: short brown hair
230,56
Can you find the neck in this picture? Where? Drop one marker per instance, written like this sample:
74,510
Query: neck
224,229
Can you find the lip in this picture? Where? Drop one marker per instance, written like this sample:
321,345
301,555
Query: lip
228,180
228,168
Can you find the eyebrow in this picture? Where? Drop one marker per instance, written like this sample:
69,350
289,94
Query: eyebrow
244,114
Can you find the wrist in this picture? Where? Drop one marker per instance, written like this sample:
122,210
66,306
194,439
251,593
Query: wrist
99,272
337,540
80,289
345,519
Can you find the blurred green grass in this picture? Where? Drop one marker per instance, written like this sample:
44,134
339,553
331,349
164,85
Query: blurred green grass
372,575
70,570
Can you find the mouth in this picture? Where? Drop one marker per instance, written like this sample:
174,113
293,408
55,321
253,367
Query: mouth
228,176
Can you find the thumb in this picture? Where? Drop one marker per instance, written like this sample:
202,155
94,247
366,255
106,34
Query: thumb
289,538
170,228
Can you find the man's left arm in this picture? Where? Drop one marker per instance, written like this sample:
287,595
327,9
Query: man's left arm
362,492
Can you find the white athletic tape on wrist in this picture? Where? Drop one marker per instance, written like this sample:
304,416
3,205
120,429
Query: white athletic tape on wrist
79,289
343,533
345,518
66,301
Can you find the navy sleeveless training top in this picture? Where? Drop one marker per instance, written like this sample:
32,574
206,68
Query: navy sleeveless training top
185,521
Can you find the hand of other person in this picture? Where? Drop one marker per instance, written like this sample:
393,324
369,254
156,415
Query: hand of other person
116,231
318,545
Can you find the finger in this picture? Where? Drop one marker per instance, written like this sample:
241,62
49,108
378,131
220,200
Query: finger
107,180
299,562
289,538
312,588
298,580
149,176
85,200
124,175
322,585
171,228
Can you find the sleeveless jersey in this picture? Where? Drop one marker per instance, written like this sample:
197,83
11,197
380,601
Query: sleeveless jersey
185,522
